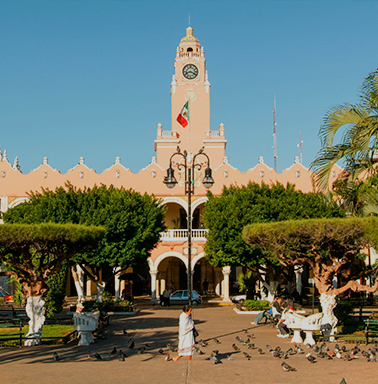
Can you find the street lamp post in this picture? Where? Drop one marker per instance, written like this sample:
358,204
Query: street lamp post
191,163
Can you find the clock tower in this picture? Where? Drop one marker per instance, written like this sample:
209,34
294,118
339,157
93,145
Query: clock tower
190,83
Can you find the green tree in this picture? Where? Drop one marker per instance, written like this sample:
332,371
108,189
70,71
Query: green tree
132,222
331,247
226,215
358,127
36,252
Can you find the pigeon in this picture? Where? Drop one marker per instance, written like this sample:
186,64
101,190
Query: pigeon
315,348
269,348
216,340
328,356
260,351
214,359
343,381
89,354
245,331
287,368
141,351
343,348
239,339
124,332
55,356
300,351
229,357
170,347
113,352
121,358
202,343
276,353
167,357
161,351
121,354
235,347
348,357
339,355
247,341
199,352
131,345
247,355
97,356
251,346
310,358
251,335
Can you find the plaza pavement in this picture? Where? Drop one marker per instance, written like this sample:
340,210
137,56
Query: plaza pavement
157,326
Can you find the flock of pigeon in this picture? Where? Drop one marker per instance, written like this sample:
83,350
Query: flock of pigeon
321,351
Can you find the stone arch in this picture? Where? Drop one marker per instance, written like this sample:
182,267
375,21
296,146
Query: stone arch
175,200
196,258
18,201
198,202
165,255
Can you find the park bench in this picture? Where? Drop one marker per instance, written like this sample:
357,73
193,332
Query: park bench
308,325
294,322
85,323
11,322
371,327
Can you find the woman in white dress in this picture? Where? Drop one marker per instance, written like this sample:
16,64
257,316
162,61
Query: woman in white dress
186,345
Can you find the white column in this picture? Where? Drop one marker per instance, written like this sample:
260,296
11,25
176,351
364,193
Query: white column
153,274
226,283
117,283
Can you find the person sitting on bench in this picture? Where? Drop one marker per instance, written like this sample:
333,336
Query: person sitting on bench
273,310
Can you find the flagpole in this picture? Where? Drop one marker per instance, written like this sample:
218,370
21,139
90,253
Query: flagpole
190,131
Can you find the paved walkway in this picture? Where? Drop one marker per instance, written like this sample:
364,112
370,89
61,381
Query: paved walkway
158,326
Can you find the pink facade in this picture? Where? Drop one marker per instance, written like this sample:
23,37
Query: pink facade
190,82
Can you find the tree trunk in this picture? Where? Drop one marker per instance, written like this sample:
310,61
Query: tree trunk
272,289
79,284
35,308
100,285
328,303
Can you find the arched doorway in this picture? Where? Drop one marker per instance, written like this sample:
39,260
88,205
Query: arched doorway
172,274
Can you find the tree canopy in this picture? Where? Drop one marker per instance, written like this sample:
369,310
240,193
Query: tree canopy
330,246
226,215
132,222
36,251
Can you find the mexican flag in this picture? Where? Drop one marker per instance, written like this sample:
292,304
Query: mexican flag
183,117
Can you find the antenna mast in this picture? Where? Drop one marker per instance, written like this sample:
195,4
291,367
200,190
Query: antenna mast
300,147
274,134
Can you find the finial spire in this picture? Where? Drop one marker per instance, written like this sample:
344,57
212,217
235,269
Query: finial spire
189,19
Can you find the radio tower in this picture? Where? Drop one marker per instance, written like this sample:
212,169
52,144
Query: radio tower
275,134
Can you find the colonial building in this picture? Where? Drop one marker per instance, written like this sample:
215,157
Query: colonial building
168,263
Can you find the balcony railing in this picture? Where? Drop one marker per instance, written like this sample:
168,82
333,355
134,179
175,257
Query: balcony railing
182,235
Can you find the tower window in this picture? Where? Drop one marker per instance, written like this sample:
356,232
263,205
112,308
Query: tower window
189,50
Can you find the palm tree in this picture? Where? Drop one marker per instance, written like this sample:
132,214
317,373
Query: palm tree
358,149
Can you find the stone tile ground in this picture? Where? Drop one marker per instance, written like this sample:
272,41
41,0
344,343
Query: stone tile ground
157,326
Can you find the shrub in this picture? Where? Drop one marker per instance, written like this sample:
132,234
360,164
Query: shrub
256,305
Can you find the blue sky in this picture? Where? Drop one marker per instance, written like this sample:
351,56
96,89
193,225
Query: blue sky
92,78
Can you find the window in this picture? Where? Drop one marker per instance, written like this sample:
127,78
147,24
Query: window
261,173
189,50
225,174
44,174
297,174
117,174
81,174
2,174
153,174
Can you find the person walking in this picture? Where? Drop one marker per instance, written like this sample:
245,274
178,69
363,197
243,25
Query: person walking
186,345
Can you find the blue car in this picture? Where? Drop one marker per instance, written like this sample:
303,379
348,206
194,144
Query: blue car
181,298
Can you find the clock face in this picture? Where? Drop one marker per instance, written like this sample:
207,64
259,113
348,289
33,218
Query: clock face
190,71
